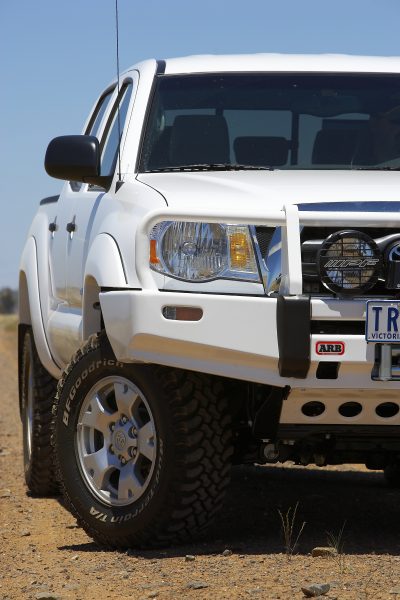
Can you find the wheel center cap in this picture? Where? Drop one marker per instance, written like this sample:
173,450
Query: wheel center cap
120,440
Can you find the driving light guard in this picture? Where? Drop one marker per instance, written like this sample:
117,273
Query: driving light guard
349,262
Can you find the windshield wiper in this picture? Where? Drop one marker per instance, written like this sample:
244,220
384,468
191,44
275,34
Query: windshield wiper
376,168
211,167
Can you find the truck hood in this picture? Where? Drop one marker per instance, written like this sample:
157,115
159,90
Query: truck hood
274,189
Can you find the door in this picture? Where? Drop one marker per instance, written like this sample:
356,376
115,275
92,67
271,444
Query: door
77,225
89,198
62,324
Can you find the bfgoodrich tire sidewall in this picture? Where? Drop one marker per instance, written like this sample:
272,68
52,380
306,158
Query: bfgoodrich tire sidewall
115,521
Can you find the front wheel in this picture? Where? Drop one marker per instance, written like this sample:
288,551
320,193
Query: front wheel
143,452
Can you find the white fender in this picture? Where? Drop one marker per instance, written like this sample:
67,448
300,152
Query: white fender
29,267
104,268
104,263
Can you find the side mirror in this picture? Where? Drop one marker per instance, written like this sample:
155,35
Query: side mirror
75,158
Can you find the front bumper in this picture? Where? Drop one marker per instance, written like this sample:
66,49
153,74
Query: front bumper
241,336
236,337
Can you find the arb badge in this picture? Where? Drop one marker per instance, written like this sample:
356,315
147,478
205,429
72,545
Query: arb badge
323,348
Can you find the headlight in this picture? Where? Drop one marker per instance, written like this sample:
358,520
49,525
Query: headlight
203,251
349,262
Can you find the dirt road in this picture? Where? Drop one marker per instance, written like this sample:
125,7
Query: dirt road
44,555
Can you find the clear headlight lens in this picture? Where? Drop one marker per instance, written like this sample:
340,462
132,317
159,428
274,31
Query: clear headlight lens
194,251
203,251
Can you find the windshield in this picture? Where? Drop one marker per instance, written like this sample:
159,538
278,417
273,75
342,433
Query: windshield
296,121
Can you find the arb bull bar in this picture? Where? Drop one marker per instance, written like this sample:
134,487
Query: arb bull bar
293,306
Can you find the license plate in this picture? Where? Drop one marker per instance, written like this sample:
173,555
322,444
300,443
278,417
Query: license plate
383,321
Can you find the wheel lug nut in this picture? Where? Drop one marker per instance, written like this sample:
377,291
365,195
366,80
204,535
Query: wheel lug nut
112,426
124,420
132,452
123,461
134,431
112,449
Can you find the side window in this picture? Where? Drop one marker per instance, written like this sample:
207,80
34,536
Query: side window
98,114
113,130
94,124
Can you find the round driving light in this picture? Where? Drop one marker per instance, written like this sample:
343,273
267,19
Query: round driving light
349,262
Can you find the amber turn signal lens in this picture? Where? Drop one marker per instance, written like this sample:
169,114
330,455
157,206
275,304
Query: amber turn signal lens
239,250
153,253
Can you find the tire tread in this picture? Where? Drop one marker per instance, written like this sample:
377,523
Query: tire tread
39,476
203,450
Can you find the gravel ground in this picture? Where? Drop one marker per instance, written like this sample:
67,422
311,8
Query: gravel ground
43,554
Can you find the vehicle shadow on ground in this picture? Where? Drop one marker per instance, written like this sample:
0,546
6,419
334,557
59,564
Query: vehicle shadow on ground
250,523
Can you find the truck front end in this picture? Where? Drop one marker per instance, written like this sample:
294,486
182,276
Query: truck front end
275,265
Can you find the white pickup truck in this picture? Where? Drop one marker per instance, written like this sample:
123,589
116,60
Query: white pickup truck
218,282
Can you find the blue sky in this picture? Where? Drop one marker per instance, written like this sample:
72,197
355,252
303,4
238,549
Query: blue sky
57,56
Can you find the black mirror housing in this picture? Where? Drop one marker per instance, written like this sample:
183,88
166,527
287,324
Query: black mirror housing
75,158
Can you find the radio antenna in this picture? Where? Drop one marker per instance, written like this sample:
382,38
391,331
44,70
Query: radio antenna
118,89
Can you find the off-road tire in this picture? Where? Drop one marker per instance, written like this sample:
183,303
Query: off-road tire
193,451
38,389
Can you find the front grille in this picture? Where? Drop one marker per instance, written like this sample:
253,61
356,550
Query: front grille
338,327
264,237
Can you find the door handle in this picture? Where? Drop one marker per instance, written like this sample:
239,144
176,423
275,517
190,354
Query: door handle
53,227
71,227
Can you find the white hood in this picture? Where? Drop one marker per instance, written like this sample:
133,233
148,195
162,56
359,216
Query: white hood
272,189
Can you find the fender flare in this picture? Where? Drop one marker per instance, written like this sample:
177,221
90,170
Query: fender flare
104,263
104,269
29,268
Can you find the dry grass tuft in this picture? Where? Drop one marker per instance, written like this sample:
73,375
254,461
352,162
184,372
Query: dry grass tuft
336,542
288,524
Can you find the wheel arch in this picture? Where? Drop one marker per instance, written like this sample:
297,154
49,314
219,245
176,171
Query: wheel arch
104,270
24,312
30,307
91,315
